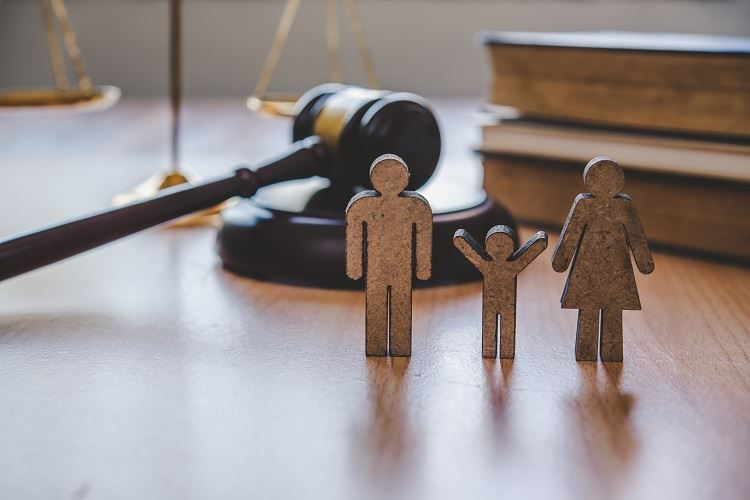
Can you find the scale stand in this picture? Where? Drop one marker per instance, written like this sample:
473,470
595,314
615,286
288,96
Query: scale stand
84,96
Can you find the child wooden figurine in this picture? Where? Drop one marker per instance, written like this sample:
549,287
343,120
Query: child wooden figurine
500,267
601,230
384,223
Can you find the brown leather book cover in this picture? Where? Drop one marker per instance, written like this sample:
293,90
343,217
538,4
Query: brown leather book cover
691,83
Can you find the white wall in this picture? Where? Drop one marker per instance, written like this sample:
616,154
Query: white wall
420,45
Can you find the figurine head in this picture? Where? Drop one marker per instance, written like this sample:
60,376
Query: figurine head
389,175
603,177
499,242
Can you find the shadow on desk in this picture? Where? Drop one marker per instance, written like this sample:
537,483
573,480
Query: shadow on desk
601,438
498,379
385,438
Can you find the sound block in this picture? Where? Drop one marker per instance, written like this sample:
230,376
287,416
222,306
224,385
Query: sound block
294,232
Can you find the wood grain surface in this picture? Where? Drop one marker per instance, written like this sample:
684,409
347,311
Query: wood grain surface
143,370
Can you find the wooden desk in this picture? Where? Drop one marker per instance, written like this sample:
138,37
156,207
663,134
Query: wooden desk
143,370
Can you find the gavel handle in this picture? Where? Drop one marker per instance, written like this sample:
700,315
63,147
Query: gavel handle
26,252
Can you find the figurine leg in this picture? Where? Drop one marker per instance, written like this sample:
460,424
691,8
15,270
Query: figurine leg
400,312
610,347
376,320
508,332
489,331
587,335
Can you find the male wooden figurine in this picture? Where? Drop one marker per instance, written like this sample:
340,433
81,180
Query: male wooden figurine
381,227
596,241
500,266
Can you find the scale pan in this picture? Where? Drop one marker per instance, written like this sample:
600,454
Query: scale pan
23,99
275,105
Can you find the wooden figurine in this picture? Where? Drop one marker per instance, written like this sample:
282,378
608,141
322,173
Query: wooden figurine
386,231
500,266
601,230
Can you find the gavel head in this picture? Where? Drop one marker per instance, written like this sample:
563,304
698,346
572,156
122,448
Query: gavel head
358,125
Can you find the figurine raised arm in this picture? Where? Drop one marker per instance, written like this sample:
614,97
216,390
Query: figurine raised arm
601,230
500,267
381,227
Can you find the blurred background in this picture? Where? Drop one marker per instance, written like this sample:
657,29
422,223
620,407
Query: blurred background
226,41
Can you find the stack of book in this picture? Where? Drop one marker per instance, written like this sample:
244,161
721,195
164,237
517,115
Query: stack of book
673,110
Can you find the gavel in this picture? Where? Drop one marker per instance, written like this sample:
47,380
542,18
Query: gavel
338,131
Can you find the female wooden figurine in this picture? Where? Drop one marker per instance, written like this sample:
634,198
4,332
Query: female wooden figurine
601,230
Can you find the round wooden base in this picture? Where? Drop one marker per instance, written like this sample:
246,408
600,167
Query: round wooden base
294,233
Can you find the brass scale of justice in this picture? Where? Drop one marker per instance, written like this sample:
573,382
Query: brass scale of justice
293,231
